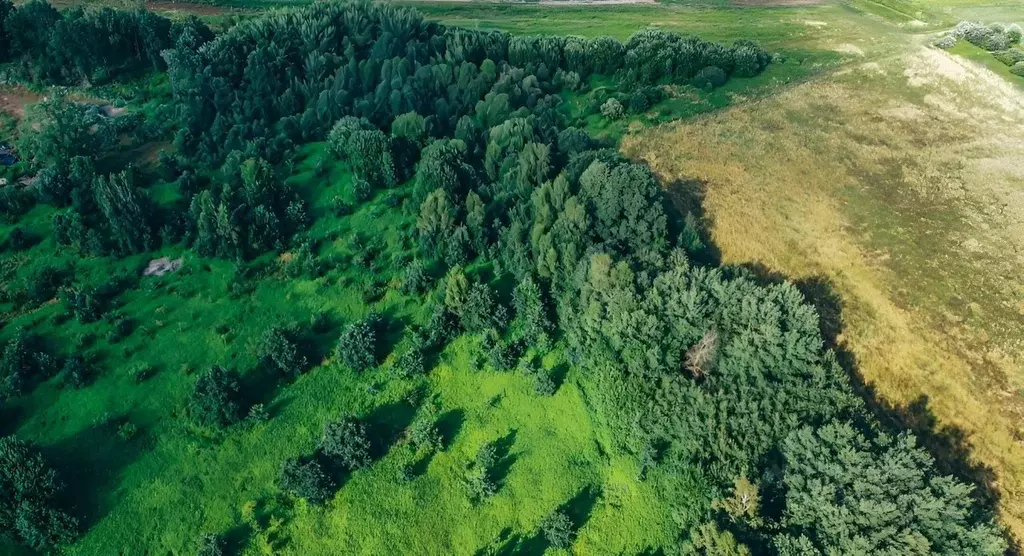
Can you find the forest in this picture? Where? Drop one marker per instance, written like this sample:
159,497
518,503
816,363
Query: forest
436,190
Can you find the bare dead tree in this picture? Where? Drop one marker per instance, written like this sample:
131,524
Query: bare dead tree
701,357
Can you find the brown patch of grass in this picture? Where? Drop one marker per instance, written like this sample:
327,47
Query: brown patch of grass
902,188
14,99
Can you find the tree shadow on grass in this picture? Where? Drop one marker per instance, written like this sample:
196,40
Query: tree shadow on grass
10,418
449,425
578,508
90,464
558,374
390,330
503,449
686,197
948,445
386,424
508,543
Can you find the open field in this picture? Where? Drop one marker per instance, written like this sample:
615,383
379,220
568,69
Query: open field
897,180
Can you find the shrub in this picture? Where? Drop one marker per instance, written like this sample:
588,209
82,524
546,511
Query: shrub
22,361
558,529
214,400
85,304
707,539
709,78
1018,69
612,109
441,327
29,491
423,434
1014,33
357,346
410,362
543,384
1010,56
568,79
75,372
480,312
749,59
339,135
306,478
258,414
17,240
479,480
279,348
947,42
415,279
210,545
501,355
361,190
572,140
345,441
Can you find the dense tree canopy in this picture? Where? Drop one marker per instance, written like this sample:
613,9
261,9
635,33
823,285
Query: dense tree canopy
29,494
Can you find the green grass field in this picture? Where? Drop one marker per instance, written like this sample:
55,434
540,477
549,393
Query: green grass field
157,490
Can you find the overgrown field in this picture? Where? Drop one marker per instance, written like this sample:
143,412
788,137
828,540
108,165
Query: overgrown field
419,303
895,181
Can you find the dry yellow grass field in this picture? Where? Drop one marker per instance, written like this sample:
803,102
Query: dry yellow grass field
899,180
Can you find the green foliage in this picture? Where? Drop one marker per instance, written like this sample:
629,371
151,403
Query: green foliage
57,129
306,478
410,362
280,349
744,504
252,212
456,290
531,312
75,372
126,211
436,220
612,109
410,126
415,278
345,441
369,154
479,311
215,398
850,494
343,129
210,545
357,346
29,494
79,45
23,362
710,77
424,436
558,529
479,478
704,374
708,540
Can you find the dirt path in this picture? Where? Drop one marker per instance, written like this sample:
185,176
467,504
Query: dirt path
898,181
187,7
14,99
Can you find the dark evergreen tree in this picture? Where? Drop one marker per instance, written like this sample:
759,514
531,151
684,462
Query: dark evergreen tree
215,398
346,442
29,494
